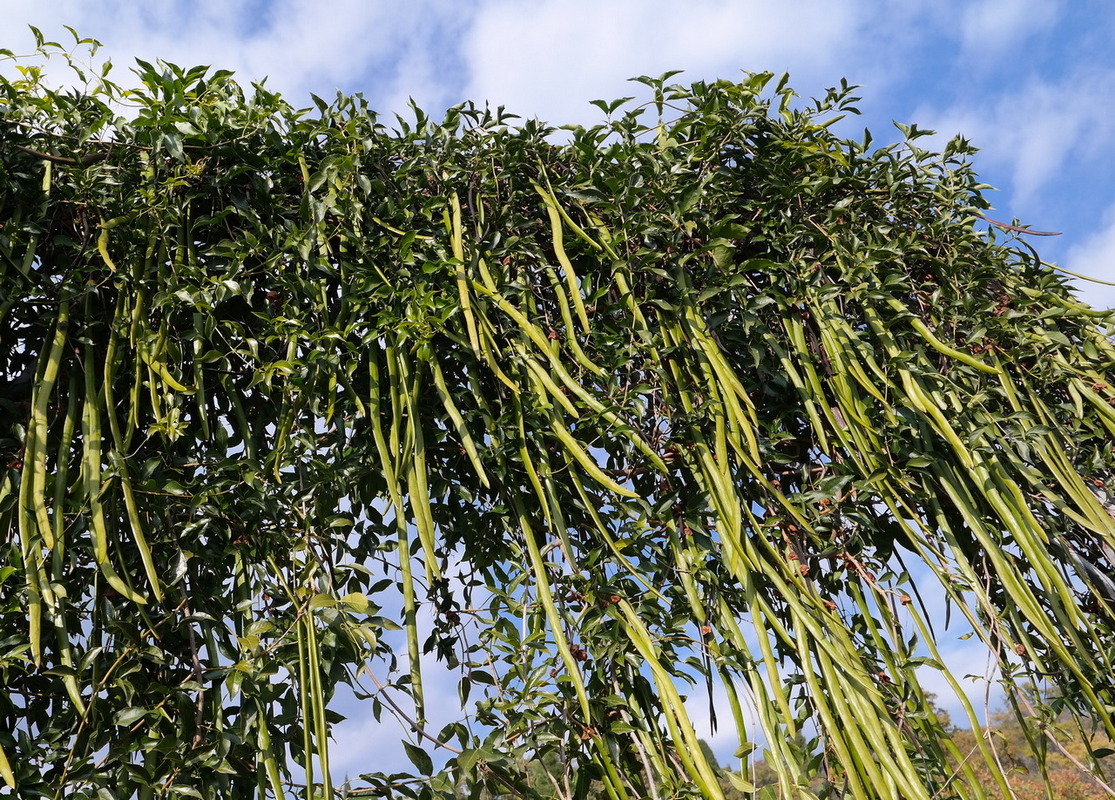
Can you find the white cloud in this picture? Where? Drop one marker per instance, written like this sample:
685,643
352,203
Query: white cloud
363,744
297,46
550,58
974,668
990,27
1095,258
388,48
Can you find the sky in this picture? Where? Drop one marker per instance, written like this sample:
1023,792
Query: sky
1029,82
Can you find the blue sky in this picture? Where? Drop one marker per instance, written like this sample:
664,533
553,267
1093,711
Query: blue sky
1030,82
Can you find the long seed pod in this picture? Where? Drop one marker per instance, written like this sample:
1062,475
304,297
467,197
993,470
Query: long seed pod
135,519
91,480
35,468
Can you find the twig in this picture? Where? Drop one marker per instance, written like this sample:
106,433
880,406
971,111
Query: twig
414,726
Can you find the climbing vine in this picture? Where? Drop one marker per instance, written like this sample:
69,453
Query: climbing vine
701,399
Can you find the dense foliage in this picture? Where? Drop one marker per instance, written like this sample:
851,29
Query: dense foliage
670,399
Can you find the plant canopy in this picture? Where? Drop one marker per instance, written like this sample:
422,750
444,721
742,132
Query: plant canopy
701,400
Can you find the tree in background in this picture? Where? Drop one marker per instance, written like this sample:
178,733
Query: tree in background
672,399
1033,763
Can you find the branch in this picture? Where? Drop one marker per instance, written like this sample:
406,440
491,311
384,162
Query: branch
82,161
1018,229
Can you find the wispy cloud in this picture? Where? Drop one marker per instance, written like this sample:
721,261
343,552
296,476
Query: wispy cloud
1095,258
1032,129
989,28
391,49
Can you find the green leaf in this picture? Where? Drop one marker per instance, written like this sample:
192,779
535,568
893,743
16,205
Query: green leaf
746,749
172,143
739,783
420,758
129,716
232,682
356,601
